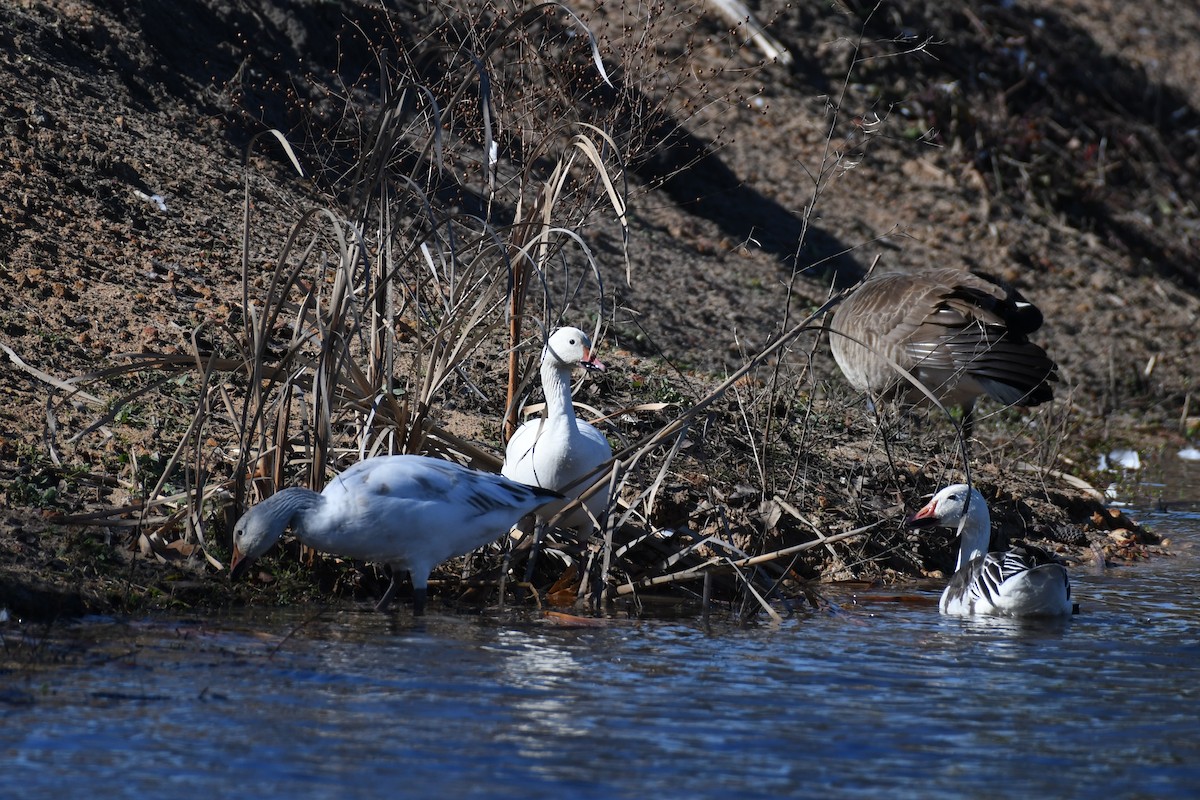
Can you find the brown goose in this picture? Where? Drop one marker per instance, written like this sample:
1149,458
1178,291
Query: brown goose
960,334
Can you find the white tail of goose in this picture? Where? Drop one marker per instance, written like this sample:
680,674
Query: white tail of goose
1024,581
960,334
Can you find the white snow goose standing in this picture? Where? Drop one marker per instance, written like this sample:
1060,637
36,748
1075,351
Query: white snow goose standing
558,449
410,512
960,334
1024,581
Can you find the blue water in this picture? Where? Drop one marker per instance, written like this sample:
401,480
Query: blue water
873,699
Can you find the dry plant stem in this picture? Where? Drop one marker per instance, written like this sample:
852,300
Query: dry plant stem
762,602
652,492
1065,477
44,377
605,565
759,457
795,512
820,181
116,407
534,248
736,14
783,574
246,206
502,580
693,573
539,535
191,437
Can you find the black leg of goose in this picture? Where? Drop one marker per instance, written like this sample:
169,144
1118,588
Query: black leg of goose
388,595
420,595
968,423
539,533
883,427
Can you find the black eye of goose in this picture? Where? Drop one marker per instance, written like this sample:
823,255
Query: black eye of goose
572,341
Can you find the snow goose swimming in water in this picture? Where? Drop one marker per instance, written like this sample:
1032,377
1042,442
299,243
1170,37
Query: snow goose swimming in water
410,512
960,334
1024,581
558,449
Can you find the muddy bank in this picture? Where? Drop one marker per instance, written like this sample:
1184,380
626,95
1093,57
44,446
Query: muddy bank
1040,143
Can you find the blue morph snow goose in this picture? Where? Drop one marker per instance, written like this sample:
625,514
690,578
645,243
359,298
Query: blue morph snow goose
1024,581
410,512
962,335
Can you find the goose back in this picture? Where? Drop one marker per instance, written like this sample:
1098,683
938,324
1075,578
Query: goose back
962,335
1023,581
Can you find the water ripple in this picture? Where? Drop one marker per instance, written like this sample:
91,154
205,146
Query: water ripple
875,699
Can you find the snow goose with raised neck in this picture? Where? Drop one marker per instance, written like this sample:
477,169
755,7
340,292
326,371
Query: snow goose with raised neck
410,512
555,450
1024,581
960,334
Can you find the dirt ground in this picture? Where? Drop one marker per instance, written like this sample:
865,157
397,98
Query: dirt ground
1054,144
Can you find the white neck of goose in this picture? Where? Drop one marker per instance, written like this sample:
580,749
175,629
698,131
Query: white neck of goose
974,530
556,383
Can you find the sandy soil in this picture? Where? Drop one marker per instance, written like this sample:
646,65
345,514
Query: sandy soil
1051,143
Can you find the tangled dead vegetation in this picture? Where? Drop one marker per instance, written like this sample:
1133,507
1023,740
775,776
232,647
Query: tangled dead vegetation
408,227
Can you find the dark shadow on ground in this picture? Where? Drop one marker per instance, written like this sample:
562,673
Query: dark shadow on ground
1049,119
702,184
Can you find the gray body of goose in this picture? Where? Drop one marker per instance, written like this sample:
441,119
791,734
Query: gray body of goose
410,512
960,334
558,449
1023,581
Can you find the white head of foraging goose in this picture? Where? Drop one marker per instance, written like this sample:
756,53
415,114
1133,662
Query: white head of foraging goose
410,512
1024,581
960,334
555,450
